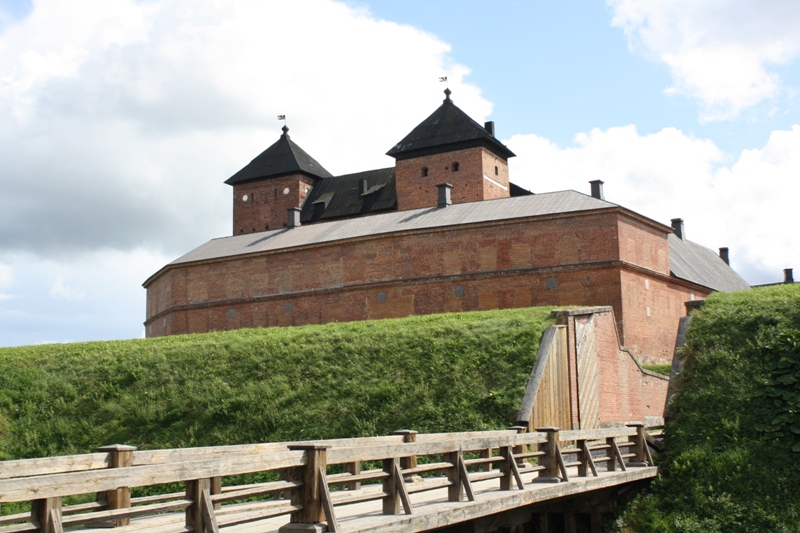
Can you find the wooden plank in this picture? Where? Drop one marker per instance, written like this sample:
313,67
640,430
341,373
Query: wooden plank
132,512
402,491
19,528
586,354
465,478
536,377
261,489
53,465
23,489
596,434
325,500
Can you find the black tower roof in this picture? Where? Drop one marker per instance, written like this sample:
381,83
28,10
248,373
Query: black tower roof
447,129
282,158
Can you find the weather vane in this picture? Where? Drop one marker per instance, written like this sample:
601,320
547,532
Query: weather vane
443,79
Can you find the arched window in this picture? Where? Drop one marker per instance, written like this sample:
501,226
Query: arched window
455,166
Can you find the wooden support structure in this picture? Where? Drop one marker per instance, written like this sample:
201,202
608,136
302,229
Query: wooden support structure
119,456
550,459
310,494
46,515
642,452
302,496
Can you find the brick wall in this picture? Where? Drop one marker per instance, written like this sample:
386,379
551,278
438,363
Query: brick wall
267,201
416,178
561,260
625,392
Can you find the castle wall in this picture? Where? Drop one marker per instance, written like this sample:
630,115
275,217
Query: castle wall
652,308
561,260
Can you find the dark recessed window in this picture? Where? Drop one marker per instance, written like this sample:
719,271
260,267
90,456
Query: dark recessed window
496,172
231,314
459,291
424,172
289,308
381,297
455,166
552,283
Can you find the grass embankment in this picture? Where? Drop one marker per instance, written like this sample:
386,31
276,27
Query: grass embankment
729,463
460,371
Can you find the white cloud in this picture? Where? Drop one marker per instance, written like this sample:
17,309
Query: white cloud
721,52
6,280
60,290
744,203
119,122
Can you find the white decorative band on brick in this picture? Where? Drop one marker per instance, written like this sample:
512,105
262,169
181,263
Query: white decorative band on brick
495,182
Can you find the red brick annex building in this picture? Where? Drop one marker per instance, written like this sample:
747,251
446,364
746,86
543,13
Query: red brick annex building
443,230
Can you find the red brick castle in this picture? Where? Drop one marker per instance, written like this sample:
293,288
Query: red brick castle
442,230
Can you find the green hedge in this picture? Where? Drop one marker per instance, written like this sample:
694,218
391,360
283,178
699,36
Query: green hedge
458,371
729,463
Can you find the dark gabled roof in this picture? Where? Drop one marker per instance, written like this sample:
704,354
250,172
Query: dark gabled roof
698,264
448,128
349,195
516,190
282,158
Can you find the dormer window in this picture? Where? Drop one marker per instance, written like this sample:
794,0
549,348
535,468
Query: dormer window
455,166
424,172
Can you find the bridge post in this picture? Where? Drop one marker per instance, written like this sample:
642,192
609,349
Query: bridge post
642,456
309,495
550,458
455,492
194,513
409,435
520,449
46,515
120,456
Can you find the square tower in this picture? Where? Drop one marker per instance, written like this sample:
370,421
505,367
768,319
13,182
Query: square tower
450,147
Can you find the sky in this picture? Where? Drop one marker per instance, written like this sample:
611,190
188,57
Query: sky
120,120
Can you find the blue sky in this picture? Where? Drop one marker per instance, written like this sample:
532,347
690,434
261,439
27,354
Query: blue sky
120,120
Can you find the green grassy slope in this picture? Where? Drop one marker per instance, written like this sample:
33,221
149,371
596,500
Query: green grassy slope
460,371
729,463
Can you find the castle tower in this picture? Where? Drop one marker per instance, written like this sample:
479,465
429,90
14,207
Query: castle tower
450,147
277,179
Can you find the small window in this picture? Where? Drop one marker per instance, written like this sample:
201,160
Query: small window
459,291
551,283
455,166
231,313
288,308
381,297
496,171
424,172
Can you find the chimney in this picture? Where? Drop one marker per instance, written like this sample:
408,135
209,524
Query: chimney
597,189
788,277
294,217
444,194
362,187
677,227
723,254
489,126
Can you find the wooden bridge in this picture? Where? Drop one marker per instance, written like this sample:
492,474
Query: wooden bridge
399,483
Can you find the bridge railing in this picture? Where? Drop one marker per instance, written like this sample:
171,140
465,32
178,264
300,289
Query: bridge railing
304,480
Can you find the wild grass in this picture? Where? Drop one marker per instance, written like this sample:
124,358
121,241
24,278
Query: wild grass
729,463
459,371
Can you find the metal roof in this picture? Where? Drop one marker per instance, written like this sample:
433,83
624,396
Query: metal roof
394,221
448,128
350,195
698,264
282,158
